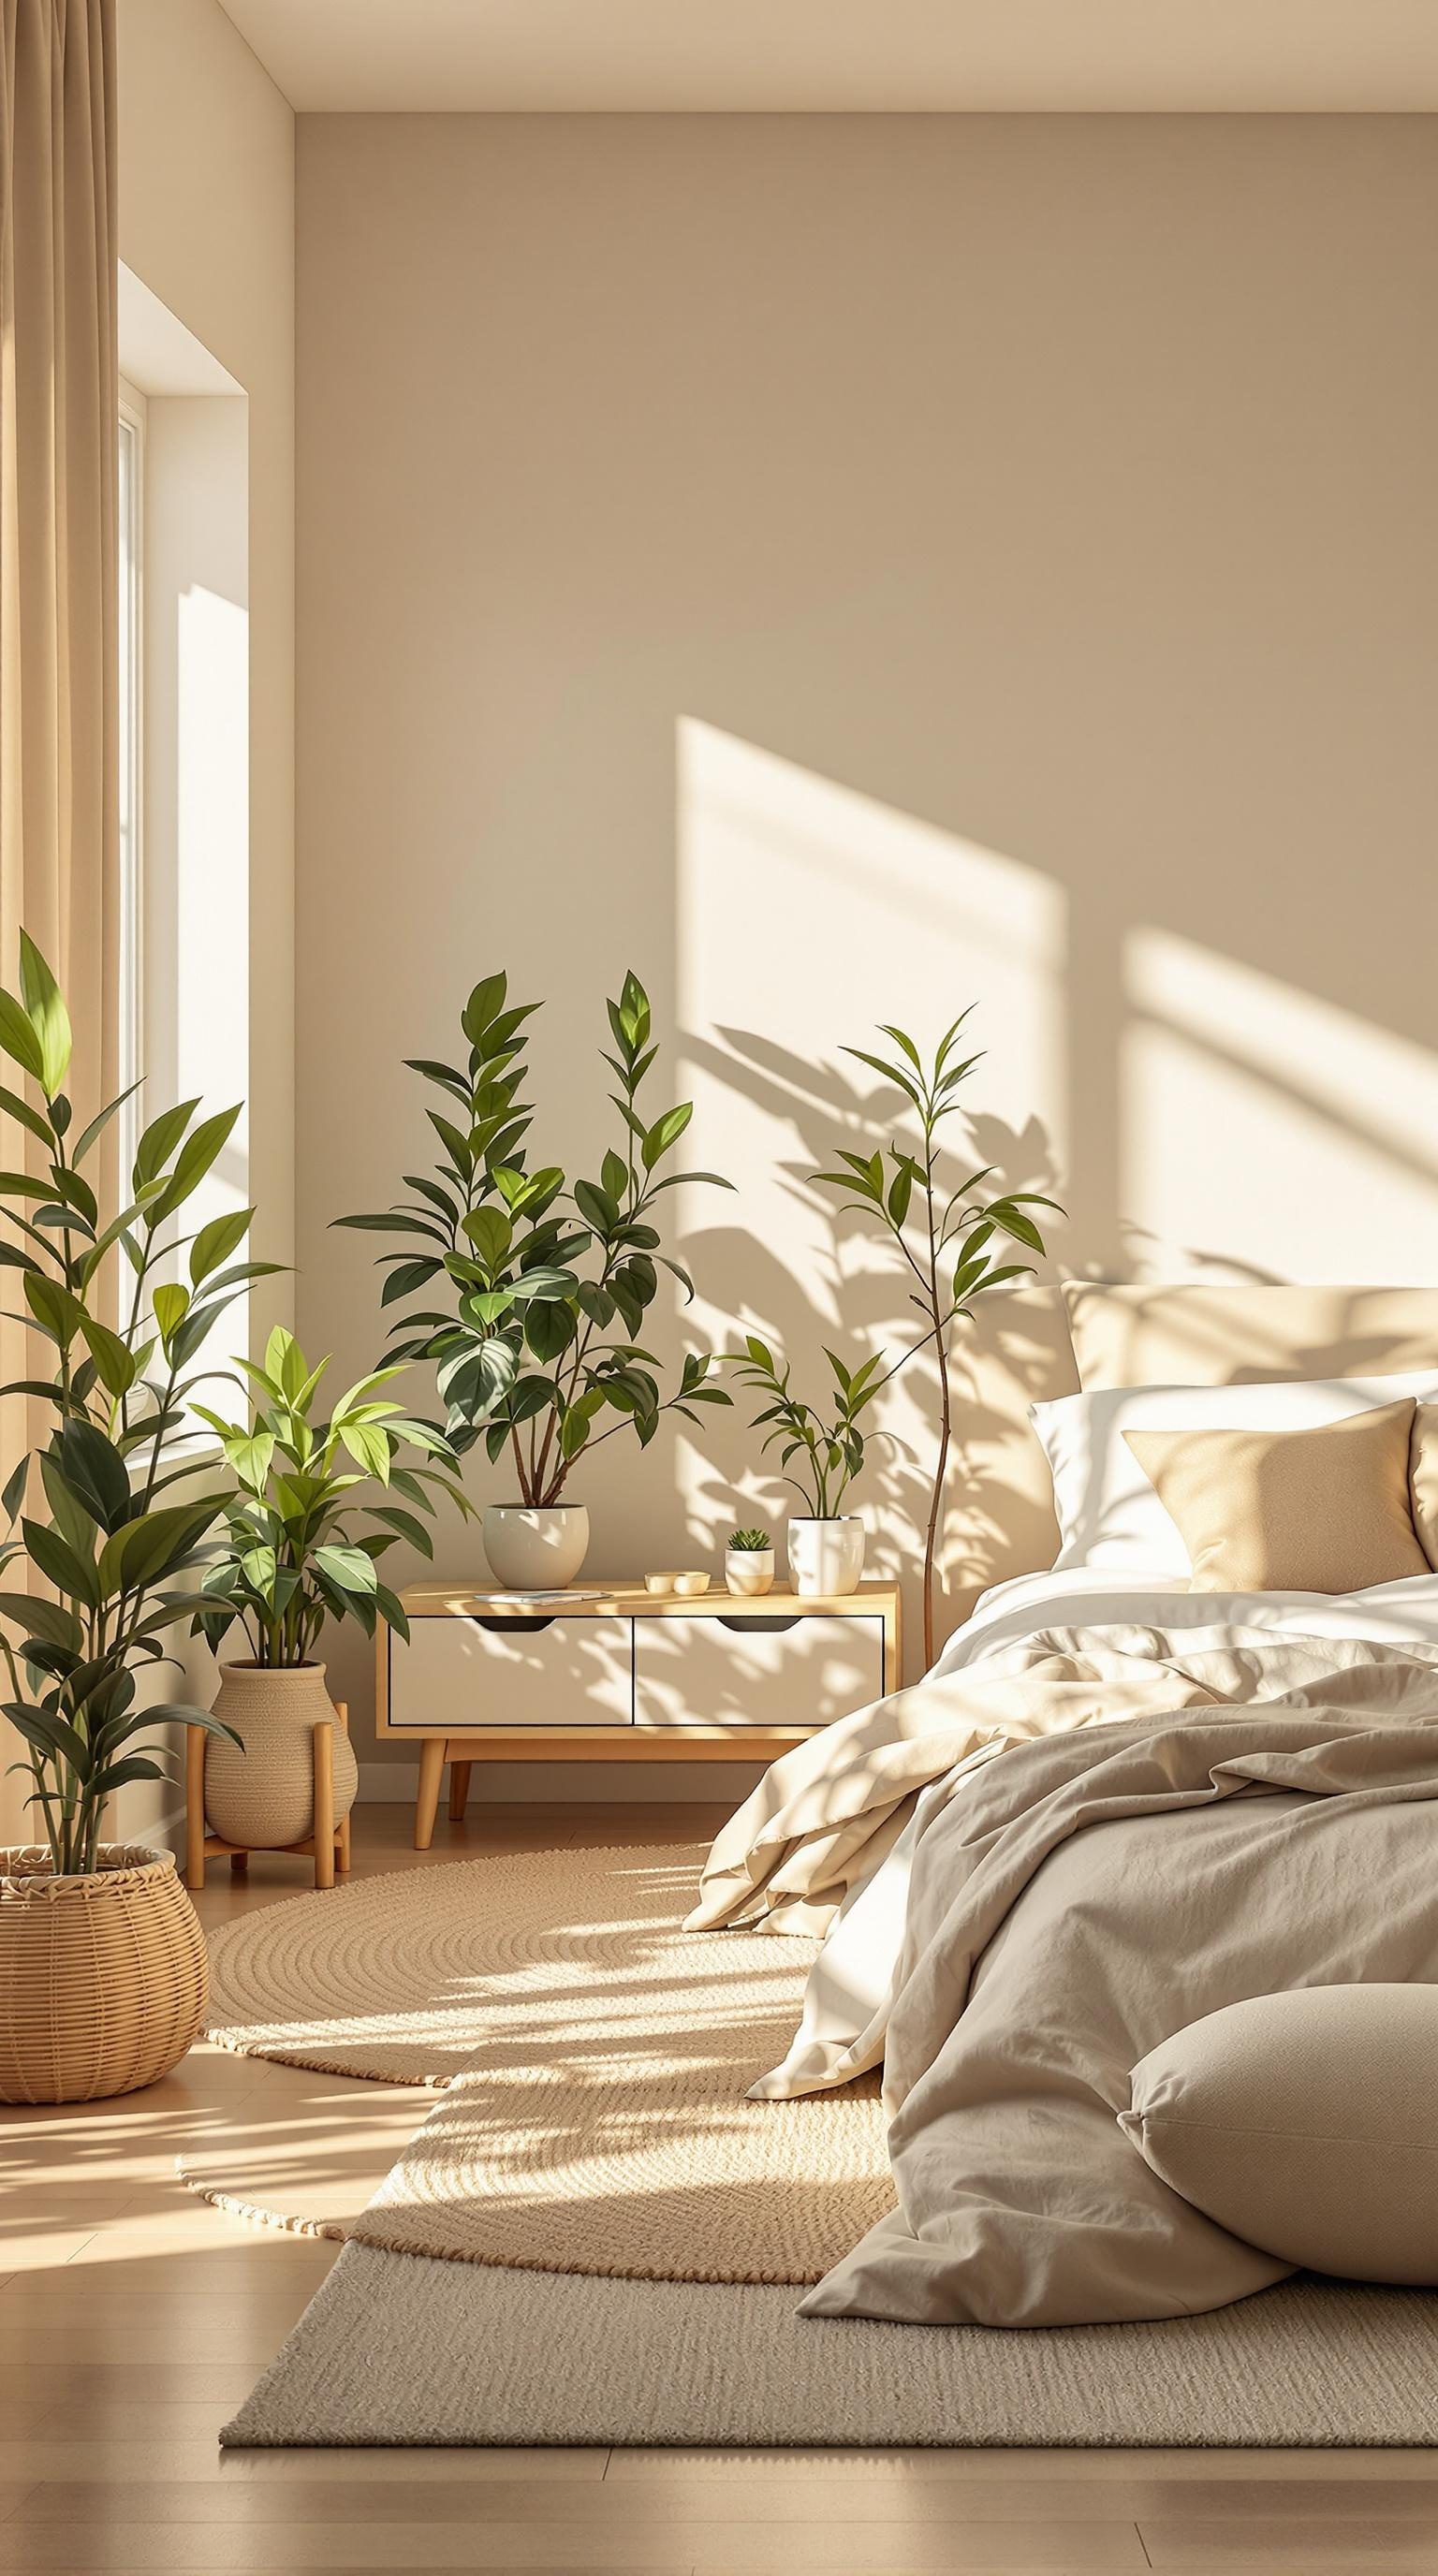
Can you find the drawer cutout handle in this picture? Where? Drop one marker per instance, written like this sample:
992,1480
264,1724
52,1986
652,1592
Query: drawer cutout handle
504,1627
766,1627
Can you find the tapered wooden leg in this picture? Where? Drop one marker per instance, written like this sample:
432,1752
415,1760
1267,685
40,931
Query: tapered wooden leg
342,1840
239,1864
431,1775
324,1836
195,1807
458,1791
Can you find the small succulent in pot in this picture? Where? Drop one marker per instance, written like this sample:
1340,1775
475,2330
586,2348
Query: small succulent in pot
749,1562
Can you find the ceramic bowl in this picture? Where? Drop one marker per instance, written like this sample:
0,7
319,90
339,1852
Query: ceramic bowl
660,1582
689,1586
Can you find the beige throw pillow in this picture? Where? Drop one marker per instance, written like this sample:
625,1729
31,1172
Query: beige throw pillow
1307,2124
1423,1479
1322,1510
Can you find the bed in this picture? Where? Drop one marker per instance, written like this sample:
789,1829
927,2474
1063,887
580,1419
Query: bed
1116,1806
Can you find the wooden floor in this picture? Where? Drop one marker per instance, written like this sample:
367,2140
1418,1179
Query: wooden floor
133,2318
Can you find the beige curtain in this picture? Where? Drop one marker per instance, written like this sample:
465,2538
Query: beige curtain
59,395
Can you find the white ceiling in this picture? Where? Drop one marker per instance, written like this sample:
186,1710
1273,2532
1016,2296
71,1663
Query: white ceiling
848,55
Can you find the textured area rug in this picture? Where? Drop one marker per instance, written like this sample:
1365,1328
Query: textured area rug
397,2349
595,2058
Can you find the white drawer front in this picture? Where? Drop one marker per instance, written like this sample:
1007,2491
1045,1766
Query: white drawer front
799,1672
459,1672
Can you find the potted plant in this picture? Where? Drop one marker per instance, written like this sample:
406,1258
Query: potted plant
946,1238
826,1545
545,1283
749,1563
303,1535
102,1964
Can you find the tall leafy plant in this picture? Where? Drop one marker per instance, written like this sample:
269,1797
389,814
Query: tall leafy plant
317,1503
113,1534
546,1282
948,1239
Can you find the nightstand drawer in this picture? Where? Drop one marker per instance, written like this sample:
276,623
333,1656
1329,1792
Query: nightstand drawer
785,1672
477,1672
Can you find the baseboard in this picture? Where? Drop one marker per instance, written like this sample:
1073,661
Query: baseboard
723,1783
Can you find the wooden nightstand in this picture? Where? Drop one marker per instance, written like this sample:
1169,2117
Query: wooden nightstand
624,1676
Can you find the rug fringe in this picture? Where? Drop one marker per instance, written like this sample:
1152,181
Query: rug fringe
256,2216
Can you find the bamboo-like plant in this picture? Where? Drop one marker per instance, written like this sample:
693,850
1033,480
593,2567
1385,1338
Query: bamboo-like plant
303,1535
116,1562
946,1239
530,1352
825,1449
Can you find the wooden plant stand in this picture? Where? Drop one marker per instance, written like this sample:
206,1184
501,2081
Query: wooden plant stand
329,1843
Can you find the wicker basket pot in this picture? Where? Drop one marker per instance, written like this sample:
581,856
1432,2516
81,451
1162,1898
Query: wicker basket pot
103,1976
261,1792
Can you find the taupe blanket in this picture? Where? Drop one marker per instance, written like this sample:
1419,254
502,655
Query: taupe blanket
1258,1817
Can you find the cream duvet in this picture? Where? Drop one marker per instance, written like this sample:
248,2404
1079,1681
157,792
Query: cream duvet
1184,1814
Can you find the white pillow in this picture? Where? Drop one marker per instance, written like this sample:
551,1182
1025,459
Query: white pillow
1108,1512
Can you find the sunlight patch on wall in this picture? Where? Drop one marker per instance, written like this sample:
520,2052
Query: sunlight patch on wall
806,913
1265,1131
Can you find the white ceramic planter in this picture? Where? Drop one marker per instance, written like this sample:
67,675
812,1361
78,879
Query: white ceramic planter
535,1550
749,1571
826,1558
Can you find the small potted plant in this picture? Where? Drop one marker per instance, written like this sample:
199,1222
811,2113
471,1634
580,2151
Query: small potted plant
545,1283
303,1536
749,1562
826,1545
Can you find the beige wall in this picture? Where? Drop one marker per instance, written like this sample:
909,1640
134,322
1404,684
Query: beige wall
851,567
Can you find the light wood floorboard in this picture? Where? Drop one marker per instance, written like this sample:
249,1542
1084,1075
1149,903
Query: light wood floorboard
134,2318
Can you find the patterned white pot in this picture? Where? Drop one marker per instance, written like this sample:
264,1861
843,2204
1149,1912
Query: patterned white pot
262,1792
826,1558
535,1550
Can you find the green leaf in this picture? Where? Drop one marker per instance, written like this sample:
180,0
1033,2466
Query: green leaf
549,1327
491,1234
216,1241
195,1157
96,1472
18,1037
484,1005
369,1448
146,1550
47,1015
53,1306
900,1192
596,1207
665,1132
116,1365
159,1140
11,1102
72,1519
613,1175
171,1304
251,1454
349,1567
36,1616
61,1564
545,1283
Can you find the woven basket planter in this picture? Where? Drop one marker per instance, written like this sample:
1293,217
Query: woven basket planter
261,1791
103,1978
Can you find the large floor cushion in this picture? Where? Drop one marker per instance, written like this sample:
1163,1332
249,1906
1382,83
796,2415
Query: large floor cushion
1306,2123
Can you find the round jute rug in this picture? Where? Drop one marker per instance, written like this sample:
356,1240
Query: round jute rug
595,2059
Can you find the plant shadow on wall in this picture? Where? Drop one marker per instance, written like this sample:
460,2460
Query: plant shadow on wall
861,1172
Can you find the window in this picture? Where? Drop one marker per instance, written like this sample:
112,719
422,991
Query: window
131,590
